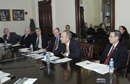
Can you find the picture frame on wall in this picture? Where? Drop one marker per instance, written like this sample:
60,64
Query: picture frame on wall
18,15
5,15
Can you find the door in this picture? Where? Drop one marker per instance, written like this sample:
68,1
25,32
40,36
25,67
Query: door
45,17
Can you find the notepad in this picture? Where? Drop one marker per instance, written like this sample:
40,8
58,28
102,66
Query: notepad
99,68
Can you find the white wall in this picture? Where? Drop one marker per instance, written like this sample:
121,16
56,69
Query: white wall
92,12
16,26
65,14
122,14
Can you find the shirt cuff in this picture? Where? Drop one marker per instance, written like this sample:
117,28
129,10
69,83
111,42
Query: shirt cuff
67,54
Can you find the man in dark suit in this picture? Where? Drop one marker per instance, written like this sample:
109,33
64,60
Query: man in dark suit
67,27
115,50
68,47
26,39
40,41
55,42
91,30
84,30
11,37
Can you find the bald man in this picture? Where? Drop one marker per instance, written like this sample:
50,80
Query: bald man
26,38
11,37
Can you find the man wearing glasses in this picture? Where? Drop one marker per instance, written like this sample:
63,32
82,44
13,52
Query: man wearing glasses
114,50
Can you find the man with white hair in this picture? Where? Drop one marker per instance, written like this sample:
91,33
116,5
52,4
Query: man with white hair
68,47
26,38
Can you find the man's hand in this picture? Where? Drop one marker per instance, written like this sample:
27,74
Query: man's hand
97,61
65,54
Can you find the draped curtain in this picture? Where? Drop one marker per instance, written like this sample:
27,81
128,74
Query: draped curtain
104,9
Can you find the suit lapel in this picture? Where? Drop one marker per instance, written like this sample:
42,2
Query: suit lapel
115,50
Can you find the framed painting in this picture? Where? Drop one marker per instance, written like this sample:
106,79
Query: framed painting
18,15
4,14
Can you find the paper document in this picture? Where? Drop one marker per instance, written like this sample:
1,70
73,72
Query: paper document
4,77
36,56
38,51
24,50
16,45
25,80
63,60
1,44
51,58
99,68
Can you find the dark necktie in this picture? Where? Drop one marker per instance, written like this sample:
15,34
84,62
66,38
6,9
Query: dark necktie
37,43
107,59
24,37
55,44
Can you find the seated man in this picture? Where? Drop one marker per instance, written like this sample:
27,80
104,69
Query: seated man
26,39
115,50
84,30
91,30
11,37
55,42
40,41
67,27
68,47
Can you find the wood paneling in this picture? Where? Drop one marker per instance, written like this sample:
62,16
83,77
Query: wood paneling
45,16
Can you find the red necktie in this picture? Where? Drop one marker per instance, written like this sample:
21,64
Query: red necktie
107,59
55,44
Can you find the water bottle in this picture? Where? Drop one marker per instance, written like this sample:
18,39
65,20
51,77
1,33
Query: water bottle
111,66
48,63
31,48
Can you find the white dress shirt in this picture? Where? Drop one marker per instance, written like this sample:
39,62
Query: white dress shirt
40,42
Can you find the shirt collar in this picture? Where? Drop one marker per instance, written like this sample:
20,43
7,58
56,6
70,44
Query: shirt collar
68,43
115,44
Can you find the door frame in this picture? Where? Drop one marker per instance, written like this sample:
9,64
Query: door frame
77,16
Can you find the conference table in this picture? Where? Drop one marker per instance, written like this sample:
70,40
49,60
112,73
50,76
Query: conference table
11,61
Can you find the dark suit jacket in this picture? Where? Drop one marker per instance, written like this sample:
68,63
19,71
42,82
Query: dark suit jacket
27,41
45,38
125,39
51,47
74,48
119,55
91,31
101,31
73,34
13,38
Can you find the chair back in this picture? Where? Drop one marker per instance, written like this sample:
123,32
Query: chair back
87,50
125,70
49,42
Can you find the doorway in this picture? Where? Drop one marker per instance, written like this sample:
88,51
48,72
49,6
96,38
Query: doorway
45,16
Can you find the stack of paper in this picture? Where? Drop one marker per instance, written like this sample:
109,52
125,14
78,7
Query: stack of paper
99,68
1,44
25,80
4,77
24,50
36,56
51,58
16,45
39,51
63,60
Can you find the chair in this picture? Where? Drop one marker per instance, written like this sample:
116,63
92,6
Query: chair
126,67
87,50
1,40
125,70
49,42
